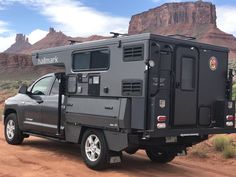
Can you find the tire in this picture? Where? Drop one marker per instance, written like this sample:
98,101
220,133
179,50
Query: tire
131,150
13,134
160,156
94,149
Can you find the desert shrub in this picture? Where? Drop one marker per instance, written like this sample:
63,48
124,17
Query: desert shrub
13,85
200,152
220,142
234,92
229,151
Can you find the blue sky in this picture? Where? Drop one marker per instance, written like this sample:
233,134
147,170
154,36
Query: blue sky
84,17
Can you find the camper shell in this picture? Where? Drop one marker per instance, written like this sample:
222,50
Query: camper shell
142,91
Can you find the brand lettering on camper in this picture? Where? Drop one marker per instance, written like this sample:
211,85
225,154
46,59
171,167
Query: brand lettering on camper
48,60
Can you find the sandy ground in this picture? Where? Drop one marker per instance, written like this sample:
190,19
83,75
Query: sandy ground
38,157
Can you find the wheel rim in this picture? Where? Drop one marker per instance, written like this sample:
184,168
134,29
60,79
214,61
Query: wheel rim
93,148
10,129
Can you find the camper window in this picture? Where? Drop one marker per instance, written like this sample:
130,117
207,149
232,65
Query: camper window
187,75
91,60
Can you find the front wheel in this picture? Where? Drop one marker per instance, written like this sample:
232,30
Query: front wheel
94,149
160,156
13,134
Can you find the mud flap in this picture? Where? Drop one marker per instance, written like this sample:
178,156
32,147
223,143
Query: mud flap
116,141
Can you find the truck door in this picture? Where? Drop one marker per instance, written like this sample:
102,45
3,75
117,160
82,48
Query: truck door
186,79
50,109
32,108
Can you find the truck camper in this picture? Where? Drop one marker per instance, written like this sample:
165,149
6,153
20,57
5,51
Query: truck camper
158,93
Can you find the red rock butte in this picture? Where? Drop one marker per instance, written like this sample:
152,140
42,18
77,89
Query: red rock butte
196,19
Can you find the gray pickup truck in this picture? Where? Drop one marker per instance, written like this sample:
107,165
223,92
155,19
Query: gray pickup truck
151,92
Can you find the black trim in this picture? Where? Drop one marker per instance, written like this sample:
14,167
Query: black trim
191,132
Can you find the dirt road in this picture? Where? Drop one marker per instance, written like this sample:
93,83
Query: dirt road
38,158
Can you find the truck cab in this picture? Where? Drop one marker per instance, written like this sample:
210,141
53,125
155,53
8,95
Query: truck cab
37,105
145,91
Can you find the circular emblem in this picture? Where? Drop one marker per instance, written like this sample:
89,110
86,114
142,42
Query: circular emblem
213,63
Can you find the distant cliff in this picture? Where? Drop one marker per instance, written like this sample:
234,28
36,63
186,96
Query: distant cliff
19,66
197,19
21,44
52,39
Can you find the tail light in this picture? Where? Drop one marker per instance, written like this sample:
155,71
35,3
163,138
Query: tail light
161,125
230,118
161,118
161,122
229,124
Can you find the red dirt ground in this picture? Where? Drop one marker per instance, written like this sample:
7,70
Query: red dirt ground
39,157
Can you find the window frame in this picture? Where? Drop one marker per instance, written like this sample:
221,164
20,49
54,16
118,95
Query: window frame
90,51
48,89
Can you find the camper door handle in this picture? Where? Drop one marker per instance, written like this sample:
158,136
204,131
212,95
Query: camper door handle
177,85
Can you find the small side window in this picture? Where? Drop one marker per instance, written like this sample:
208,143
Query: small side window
72,84
187,74
91,60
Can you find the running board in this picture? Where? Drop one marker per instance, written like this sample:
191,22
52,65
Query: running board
60,139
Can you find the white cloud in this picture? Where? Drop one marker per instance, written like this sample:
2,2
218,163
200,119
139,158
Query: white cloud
75,19
7,37
6,42
226,18
36,35
3,27
69,16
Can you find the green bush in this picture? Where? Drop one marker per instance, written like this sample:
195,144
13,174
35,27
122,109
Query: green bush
220,142
234,92
229,151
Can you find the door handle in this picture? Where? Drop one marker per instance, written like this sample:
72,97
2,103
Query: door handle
109,107
39,101
177,85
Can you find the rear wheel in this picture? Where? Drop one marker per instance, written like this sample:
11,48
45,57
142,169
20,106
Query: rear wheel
160,156
94,149
13,134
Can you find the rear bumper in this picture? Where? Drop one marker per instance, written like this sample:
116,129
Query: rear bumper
191,132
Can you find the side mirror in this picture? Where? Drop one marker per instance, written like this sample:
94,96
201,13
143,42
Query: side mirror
23,89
